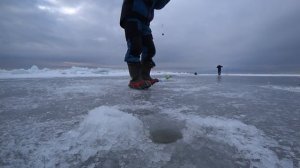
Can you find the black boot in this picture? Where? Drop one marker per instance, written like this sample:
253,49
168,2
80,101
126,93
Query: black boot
146,69
137,81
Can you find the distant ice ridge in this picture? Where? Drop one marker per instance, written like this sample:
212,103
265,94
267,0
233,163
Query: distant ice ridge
35,72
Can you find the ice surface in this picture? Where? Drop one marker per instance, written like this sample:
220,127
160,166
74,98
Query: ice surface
97,121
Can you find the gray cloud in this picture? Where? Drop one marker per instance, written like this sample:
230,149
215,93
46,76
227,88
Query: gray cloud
235,33
242,35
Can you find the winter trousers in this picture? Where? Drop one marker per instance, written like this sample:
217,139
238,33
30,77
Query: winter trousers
139,42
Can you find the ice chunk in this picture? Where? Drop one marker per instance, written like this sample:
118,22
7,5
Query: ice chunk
103,129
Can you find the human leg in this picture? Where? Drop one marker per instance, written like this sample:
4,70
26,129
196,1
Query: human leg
147,55
134,43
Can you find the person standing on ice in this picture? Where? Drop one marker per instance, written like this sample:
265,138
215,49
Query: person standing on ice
219,69
136,16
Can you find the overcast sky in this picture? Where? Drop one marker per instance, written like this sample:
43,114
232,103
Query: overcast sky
242,35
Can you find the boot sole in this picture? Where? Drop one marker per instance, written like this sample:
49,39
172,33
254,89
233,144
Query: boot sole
146,85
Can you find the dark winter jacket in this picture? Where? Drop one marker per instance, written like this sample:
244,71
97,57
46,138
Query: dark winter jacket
143,10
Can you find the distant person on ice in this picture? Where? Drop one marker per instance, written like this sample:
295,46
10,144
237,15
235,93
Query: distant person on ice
135,18
219,69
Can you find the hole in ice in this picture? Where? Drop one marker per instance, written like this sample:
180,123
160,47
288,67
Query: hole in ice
165,135
163,129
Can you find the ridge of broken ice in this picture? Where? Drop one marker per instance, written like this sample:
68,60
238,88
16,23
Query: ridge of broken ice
36,72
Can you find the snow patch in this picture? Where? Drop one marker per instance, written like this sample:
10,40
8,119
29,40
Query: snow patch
284,88
231,95
189,90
